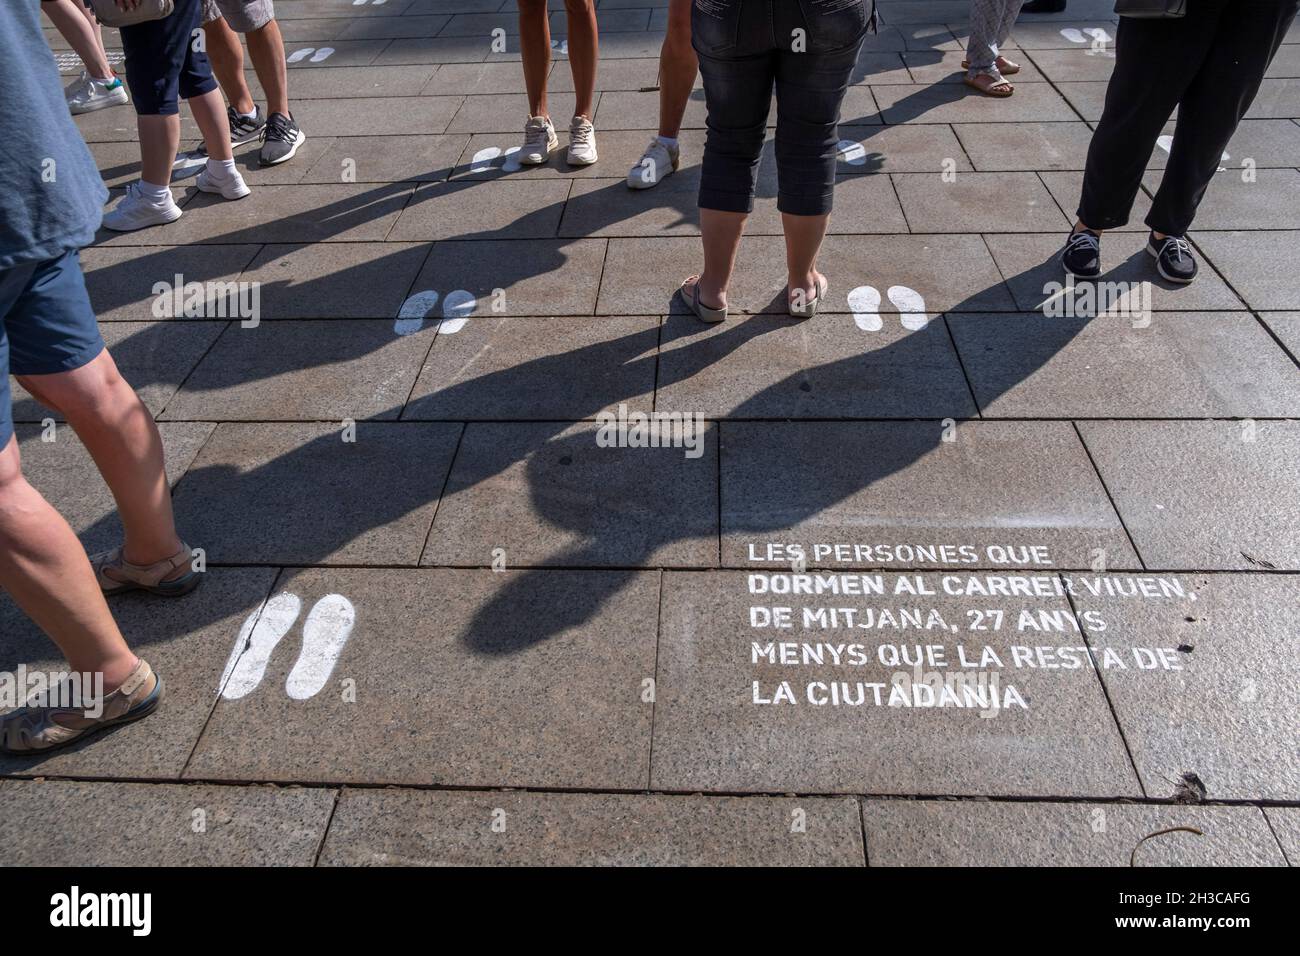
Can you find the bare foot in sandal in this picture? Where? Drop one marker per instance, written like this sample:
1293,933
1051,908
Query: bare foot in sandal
990,85
1005,67
697,295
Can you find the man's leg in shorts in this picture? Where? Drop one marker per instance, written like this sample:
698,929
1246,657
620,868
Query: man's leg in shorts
255,19
226,54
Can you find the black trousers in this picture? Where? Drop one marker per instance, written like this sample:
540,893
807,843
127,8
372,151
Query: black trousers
1209,65
806,49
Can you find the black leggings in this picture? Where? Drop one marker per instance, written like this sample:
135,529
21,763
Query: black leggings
808,49
1209,64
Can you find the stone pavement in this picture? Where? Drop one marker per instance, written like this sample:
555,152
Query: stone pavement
943,579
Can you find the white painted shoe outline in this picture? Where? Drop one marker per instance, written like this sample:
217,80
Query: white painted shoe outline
297,56
261,632
322,54
1166,142
1100,35
457,307
324,635
864,301
911,307
1074,35
482,161
855,154
410,317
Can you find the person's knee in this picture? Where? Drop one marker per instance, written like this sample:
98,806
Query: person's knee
94,391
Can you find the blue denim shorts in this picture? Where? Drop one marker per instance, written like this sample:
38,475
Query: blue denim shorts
47,325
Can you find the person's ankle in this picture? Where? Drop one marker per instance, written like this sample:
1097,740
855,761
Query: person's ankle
144,557
116,670
710,294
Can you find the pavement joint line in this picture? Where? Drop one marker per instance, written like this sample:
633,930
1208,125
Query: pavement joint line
1109,496
442,490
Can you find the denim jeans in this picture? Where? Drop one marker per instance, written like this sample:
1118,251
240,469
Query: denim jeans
807,49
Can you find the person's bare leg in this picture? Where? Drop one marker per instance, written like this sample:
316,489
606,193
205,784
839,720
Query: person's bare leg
226,55
535,51
123,440
210,113
584,53
266,50
74,28
160,137
720,233
677,68
803,240
45,570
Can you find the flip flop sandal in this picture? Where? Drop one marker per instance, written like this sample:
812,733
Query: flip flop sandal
35,728
809,307
998,89
691,296
1005,66
117,575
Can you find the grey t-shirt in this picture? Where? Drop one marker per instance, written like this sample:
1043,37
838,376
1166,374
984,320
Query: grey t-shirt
51,194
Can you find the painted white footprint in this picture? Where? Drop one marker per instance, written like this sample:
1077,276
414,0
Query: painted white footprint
297,56
456,310
410,317
855,154
324,635
322,54
911,307
258,637
1166,143
864,301
482,161
1074,35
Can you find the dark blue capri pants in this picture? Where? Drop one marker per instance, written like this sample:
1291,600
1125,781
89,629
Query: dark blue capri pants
807,49
162,65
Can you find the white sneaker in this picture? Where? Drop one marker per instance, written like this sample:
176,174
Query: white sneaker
658,162
137,212
88,94
582,142
228,187
539,140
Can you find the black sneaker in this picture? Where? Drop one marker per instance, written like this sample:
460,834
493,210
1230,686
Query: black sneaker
1082,254
242,128
1173,256
281,139
1044,6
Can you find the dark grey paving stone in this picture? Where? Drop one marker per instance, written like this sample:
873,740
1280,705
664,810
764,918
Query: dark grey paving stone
155,357
613,46
297,493
1039,33
1260,265
1286,63
343,54
70,823
1032,265
249,161
483,78
541,277
421,50
900,149
1285,822
481,25
1204,495
927,67
1087,97
507,114
613,20
1286,326
776,367
625,110
985,833
529,489
860,107
996,147
1277,99
1218,696
927,36
715,730
632,73
121,280
956,103
62,470
185,640
118,125
342,212
899,482
377,116
348,82
483,211
1066,187
880,68
338,280
473,678
972,202
1271,201
389,28
1175,365
306,9
555,369
313,30
1267,142
1074,64
310,371
430,828
949,272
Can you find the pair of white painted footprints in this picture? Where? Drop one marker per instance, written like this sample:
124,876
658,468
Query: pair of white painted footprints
325,633
864,301
297,56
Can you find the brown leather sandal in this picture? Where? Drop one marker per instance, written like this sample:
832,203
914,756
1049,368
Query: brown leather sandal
116,575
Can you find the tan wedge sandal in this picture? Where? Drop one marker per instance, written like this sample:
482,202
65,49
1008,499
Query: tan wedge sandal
116,574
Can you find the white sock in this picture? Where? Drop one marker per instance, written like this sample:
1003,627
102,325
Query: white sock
249,116
221,168
158,195
669,141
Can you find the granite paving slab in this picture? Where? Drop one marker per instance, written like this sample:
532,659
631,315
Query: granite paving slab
378,115
69,823
956,103
1285,822
1258,265
424,828
300,493
490,210
971,202
386,159
1253,199
1286,326
996,147
319,281
900,149
465,678
1168,482
122,281
539,277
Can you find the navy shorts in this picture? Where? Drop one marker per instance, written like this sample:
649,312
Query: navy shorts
162,66
46,325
